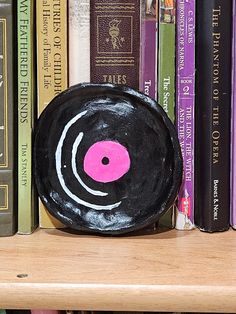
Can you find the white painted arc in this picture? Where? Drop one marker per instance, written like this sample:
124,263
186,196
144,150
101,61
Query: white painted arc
58,156
74,169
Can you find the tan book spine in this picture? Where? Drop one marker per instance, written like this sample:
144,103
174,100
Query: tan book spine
27,201
52,70
79,41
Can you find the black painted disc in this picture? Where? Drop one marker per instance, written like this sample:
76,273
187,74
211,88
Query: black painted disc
106,158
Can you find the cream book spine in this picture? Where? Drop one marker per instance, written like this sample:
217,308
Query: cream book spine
79,41
52,69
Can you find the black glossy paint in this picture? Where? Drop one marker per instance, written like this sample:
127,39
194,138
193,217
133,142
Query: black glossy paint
114,113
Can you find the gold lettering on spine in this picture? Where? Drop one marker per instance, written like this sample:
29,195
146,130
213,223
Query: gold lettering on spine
216,37
57,58
23,96
52,11
216,136
115,79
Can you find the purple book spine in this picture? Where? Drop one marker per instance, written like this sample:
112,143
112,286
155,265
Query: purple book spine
148,73
233,124
185,109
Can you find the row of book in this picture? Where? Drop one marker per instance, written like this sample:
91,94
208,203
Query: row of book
79,312
178,52
74,312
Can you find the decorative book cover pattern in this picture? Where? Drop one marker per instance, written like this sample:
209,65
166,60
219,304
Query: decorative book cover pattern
4,157
115,42
7,123
4,196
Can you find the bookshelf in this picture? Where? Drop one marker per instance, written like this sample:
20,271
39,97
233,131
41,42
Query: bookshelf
168,271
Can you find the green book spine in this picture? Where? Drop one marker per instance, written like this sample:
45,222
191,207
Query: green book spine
27,207
166,60
8,204
166,71
3,311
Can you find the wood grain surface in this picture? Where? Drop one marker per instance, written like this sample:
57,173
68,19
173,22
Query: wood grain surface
168,271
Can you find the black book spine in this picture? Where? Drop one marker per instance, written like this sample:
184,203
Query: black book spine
8,204
213,90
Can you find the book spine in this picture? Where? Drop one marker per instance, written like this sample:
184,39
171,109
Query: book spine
166,72
213,96
52,70
233,124
79,41
8,203
148,44
166,60
115,41
27,209
185,85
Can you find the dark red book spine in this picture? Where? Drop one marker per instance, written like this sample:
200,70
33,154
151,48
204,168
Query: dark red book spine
115,41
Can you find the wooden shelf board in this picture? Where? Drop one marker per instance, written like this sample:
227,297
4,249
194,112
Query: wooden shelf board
168,271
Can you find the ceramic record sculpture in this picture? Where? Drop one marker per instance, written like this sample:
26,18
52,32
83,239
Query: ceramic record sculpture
106,158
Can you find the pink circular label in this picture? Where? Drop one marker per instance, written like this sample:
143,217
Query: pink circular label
106,161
